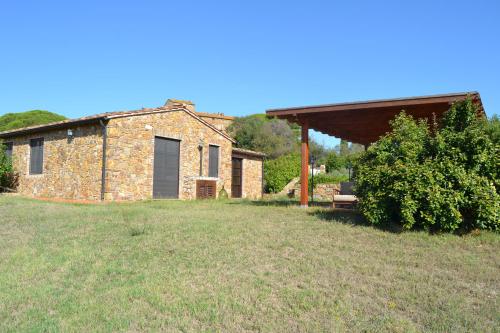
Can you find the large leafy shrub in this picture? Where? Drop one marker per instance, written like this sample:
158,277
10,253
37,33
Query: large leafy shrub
8,178
440,179
280,171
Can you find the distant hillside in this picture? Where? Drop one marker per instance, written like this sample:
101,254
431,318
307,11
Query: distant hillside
10,121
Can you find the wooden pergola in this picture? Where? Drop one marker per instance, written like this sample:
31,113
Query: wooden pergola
361,122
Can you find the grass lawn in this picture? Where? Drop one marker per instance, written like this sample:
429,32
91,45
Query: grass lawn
235,266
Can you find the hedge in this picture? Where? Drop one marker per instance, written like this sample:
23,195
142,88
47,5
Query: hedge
280,171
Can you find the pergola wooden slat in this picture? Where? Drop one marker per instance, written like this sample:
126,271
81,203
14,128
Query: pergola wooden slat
362,122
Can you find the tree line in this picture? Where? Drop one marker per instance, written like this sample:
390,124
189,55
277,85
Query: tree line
280,141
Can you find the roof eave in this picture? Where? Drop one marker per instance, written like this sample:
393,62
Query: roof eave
245,152
394,102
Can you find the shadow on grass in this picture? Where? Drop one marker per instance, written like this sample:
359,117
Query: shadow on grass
353,218
278,202
323,211
287,203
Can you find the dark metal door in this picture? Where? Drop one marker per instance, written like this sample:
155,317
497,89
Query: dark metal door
166,168
236,180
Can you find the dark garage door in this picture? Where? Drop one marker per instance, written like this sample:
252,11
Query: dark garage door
236,179
166,168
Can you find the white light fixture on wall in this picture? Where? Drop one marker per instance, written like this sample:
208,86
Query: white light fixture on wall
70,133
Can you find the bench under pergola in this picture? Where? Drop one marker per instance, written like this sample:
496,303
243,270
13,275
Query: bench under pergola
361,122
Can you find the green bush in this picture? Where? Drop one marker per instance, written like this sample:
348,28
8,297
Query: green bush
440,180
8,178
280,171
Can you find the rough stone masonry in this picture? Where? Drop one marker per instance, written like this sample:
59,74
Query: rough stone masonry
73,164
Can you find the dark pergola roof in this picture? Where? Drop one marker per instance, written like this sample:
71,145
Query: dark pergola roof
364,122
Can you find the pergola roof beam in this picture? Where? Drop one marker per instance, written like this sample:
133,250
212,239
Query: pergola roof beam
368,120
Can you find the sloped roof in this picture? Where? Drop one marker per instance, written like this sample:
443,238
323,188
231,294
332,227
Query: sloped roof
365,121
106,116
248,152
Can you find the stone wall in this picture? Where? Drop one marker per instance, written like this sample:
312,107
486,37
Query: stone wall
252,177
130,153
221,122
325,191
71,167
321,191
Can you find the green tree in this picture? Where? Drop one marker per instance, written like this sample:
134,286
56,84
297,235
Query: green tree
10,121
343,148
274,137
442,181
355,148
245,130
492,127
280,141
348,152
334,162
318,151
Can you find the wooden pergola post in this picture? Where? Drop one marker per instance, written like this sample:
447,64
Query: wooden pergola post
362,122
304,171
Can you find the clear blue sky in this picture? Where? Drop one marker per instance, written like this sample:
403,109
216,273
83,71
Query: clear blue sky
79,58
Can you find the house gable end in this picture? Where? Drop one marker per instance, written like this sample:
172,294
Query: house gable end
162,110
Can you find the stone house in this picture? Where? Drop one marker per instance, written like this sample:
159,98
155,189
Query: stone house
166,152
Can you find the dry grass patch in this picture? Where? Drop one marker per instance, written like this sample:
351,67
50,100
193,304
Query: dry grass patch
235,266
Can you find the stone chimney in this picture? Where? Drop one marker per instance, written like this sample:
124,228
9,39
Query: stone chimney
187,104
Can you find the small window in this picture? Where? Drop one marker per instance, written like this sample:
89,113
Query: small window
213,161
36,156
9,146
